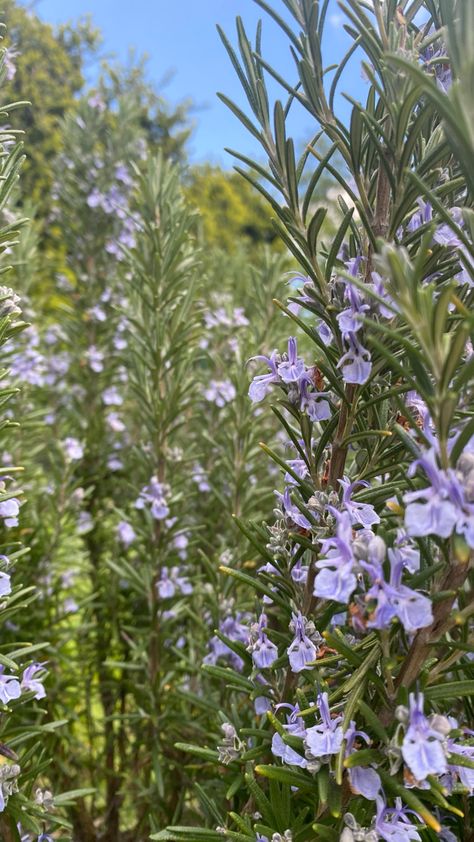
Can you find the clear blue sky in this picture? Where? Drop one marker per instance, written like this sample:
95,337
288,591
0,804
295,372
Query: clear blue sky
181,37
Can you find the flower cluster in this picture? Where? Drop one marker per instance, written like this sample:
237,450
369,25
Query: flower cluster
299,381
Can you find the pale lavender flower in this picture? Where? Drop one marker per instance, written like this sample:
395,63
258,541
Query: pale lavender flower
199,476
264,652
464,773
291,510
154,494
73,449
125,533
325,738
364,780
442,507
299,467
70,605
355,363
360,513
301,652
114,463
180,543
111,397
95,359
97,313
413,609
393,824
9,510
421,217
115,422
336,579
422,747
96,101
233,628
9,301
389,309
5,584
294,726
405,552
30,684
95,198
291,369
84,523
325,333
262,383
122,174
445,236
171,582
299,572
220,392
9,687
314,403
262,704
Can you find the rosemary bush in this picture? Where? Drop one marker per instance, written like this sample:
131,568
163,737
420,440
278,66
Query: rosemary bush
351,710
248,489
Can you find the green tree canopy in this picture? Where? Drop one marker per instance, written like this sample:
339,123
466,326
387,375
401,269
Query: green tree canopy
230,210
45,69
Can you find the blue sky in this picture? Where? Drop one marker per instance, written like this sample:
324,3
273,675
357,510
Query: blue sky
182,37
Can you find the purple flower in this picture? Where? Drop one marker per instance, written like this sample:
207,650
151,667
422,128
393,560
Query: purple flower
96,101
464,773
355,363
443,507
393,599
5,584
9,687
9,510
30,684
154,493
111,397
73,449
336,579
445,236
325,333
422,748
233,628
389,309
264,652
299,572
421,217
262,704
262,383
392,823
405,552
294,726
361,513
326,738
220,392
125,533
95,359
314,403
292,369
172,581
199,476
302,651
299,467
292,511
363,780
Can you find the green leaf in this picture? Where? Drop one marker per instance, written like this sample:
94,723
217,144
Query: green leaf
451,690
285,776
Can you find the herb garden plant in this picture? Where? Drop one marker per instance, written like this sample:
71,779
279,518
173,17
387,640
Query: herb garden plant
248,493
358,657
